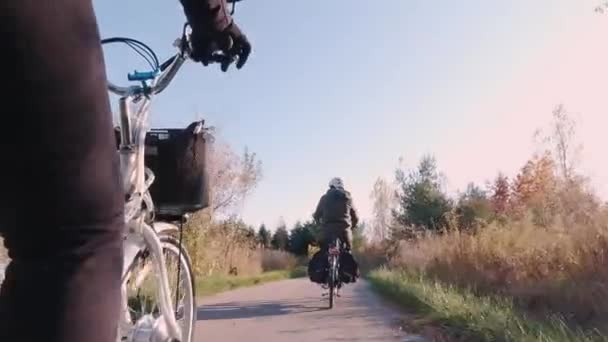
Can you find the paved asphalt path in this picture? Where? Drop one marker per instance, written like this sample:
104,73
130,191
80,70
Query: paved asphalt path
295,311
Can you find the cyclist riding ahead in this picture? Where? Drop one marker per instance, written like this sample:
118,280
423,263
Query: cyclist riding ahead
337,214
62,202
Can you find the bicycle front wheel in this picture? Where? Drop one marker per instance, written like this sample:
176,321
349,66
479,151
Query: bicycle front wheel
143,287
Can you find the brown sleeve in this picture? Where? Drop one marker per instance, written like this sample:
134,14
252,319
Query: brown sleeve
209,15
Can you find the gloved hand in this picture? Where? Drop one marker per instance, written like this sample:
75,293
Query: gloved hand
231,42
214,30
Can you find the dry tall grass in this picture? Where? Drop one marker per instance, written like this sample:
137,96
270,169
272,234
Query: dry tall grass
274,260
560,269
229,248
217,248
371,256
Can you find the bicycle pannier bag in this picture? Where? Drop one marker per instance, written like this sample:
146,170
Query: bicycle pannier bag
349,269
318,267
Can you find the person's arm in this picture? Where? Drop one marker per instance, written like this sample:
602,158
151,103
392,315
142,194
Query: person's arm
318,214
354,215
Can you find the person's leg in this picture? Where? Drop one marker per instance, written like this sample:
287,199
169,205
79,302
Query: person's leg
327,236
346,235
61,201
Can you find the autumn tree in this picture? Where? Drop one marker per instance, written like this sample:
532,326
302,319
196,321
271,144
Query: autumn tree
575,198
474,209
232,178
560,141
500,197
384,200
534,190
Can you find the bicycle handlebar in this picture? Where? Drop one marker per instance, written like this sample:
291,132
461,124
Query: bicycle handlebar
165,72
173,64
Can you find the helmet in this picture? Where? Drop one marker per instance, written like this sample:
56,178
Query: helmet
336,182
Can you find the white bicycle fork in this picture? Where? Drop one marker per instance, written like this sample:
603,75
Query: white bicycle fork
165,328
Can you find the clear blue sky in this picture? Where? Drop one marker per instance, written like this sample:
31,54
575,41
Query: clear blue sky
347,87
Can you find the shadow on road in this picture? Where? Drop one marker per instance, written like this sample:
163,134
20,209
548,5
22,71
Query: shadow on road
253,309
360,305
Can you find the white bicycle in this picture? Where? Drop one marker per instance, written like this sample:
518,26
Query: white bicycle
158,288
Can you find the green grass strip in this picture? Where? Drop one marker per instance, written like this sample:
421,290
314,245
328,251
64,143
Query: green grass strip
465,316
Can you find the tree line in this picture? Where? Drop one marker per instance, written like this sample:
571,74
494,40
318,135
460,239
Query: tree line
300,238
547,189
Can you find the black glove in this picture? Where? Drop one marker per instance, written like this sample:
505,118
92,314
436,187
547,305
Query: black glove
230,41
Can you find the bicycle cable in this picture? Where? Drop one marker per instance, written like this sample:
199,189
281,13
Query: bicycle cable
141,48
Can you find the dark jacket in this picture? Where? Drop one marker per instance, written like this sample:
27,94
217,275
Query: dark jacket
336,209
207,15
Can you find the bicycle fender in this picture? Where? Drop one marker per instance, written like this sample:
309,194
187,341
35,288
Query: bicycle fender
165,227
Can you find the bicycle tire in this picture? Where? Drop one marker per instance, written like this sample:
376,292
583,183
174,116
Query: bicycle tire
169,241
188,263
331,292
332,283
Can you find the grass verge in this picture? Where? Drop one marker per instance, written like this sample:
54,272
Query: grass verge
463,316
215,284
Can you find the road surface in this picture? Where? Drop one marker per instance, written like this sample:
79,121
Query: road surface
294,311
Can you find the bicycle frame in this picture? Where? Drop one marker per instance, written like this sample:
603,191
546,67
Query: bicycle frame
334,248
141,232
141,229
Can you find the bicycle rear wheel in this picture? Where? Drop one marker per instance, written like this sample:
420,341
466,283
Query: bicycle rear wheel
332,281
332,293
143,289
